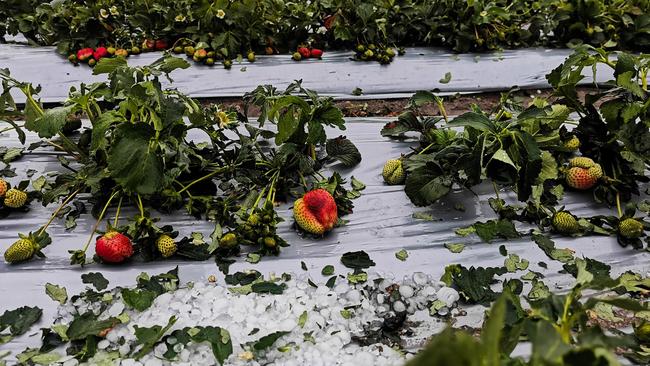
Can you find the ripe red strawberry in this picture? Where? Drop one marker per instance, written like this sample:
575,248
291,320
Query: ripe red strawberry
304,52
84,54
100,52
315,52
148,45
114,247
579,178
161,45
316,211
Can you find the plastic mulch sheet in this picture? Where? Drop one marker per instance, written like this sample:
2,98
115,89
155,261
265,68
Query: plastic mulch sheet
382,224
335,75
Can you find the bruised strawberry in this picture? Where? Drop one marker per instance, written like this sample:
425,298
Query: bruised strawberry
100,53
304,52
316,53
114,247
316,211
161,45
84,54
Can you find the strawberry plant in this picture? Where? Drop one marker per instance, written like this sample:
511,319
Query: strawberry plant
531,150
136,149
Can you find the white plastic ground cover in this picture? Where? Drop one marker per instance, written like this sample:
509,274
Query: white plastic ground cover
335,75
381,225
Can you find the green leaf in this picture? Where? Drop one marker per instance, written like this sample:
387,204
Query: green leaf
357,185
149,336
402,255
96,279
99,140
268,340
424,187
267,288
328,270
449,348
20,320
168,63
548,247
107,65
446,79
492,332
474,284
51,123
513,263
87,324
455,247
134,160
474,120
357,260
139,300
491,229
344,151
218,338
56,293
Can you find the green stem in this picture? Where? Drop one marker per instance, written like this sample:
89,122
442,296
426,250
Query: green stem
259,197
101,216
117,214
496,189
56,212
426,148
210,175
140,206
618,204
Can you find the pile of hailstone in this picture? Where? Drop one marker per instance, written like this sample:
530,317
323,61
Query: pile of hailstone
336,318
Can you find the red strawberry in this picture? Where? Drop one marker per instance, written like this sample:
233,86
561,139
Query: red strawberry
316,211
304,52
161,45
316,53
113,247
579,178
148,44
100,52
84,54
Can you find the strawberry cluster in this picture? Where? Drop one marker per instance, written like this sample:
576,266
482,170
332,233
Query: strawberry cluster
305,52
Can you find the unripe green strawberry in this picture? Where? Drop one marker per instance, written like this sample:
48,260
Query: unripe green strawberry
642,332
3,187
595,171
254,219
135,50
227,64
15,198
393,172
166,246
269,242
251,56
581,162
296,56
228,241
579,178
92,62
630,228
572,144
20,251
189,50
565,223
178,49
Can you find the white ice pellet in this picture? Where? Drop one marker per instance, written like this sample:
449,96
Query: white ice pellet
406,291
399,306
448,295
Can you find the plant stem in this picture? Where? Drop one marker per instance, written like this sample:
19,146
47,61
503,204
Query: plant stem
618,204
426,148
140,206
101,215
496,189
210,175
56,212
117,214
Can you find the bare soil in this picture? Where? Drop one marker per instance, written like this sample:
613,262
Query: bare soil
454,105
